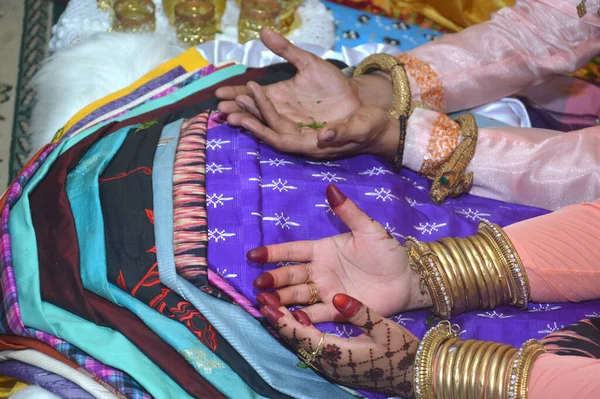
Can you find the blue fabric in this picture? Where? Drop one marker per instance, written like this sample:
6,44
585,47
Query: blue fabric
83,193
274,363
355,27
116,350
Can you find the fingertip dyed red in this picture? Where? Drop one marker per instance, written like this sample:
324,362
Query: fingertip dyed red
264,281
334,196
271,313
269,298
258,255
301,317
346,305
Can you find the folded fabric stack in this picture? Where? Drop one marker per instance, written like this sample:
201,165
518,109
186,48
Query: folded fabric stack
122,260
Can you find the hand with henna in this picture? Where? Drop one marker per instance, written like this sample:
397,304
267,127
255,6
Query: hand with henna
366,263
381,359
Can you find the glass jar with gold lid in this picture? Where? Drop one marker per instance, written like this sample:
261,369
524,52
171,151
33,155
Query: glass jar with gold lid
195,21
134,16
255,15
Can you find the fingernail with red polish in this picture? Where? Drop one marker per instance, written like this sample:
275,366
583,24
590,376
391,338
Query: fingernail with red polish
264,281
335,196
259,255
346,305
271,313
301,317
269,298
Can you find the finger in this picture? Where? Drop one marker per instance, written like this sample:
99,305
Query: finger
355,128
230,92
348,212
269,298
361,316
295,251
267,110
295,294
301,317
237,118
247,104
229,107
262,132
282,277
321,313
282,47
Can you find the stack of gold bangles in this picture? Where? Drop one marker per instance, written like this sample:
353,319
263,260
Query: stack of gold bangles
448,367
482,271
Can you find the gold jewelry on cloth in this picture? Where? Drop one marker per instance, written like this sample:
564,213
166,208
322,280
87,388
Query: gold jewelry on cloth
450,179
425,357
483,271
314,293
582,9
401,103
310,358
309,274
521,367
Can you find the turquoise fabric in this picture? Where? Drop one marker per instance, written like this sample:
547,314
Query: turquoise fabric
102,343
84,195
274,363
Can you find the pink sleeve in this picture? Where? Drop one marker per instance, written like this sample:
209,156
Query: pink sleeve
536,167
519,47
565,377
561,253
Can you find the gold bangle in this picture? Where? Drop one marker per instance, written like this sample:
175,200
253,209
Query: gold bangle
468,369
444,353
485,293
495,373
504,368
456,283
521,367
480,359
504,269
401,103
472,291
457,367
425,356
495,269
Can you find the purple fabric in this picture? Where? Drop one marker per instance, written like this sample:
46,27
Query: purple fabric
257,196
51,382
137,93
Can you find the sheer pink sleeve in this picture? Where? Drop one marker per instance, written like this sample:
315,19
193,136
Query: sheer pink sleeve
519,47
536,167
565,377
561,253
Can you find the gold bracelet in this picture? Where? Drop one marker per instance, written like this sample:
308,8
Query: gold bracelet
487,388
456,286
472,292
495,269
401,104
423,261
468,368
521,367
441,371
504,368
481,279
484,265
480,360
425,357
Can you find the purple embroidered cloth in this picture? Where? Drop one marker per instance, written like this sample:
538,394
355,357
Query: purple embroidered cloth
51,382
258,196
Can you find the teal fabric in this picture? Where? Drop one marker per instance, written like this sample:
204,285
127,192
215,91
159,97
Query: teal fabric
102,343
84,196
274,363
198,85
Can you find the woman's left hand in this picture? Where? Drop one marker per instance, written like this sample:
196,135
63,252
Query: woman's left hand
379,360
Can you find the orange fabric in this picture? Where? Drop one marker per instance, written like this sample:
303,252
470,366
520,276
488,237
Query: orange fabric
564,377
561,253
12,342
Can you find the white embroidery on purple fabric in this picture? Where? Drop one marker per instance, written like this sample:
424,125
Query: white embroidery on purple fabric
223,273
217,235
281,220
215,167
326,163
383,194
594,314
258,179
216,199
392,231
216,144
279,185
280,264
412,202
544,307
277,162
376,171
256,154
326,206
256,214
472,214
344,332
494,315
429,228
414,183
398,319
329,177
551,328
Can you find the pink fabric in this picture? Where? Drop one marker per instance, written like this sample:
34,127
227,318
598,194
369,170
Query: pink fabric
564,377
561,253
519,47
529,166
224,286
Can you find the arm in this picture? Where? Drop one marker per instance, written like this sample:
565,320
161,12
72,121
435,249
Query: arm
519,47
554,376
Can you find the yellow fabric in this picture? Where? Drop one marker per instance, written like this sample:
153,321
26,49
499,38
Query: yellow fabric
452,14
190,60
9,385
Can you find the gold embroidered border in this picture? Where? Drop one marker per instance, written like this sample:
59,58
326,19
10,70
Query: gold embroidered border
429,82
442,142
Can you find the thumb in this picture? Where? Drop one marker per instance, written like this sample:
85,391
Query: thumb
282,47
361,316
348,212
